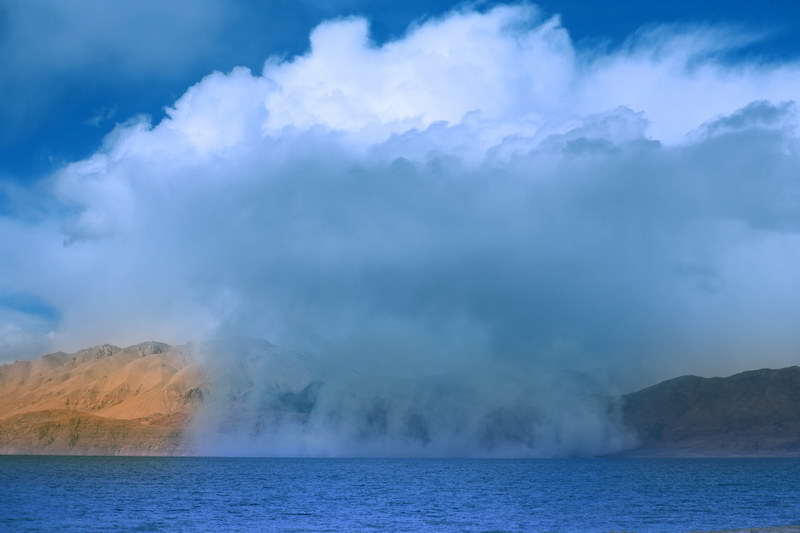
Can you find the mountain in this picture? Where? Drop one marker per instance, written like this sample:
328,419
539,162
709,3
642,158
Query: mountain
102,400
141,400
751,413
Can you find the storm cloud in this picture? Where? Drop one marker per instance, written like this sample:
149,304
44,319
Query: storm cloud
478,199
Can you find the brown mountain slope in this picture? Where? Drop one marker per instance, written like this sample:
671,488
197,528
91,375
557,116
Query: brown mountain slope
752,413
105,400
73,432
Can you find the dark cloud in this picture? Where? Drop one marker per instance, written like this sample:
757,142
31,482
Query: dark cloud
476,203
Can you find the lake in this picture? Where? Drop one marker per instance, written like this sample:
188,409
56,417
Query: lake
64,494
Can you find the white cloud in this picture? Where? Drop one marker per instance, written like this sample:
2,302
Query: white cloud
438,72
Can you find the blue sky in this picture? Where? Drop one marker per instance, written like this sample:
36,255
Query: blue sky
78,68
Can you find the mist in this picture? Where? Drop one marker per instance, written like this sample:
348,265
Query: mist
464,241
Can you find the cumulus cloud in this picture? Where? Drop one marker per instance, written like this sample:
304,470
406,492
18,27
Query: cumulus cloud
479,199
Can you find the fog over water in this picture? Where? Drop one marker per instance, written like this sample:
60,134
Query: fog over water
473,234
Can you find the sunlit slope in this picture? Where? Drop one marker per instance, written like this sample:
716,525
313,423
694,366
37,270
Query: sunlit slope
104,399
75,432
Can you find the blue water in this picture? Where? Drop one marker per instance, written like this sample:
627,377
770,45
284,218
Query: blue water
237,494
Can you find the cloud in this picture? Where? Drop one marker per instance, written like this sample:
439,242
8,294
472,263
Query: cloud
478,199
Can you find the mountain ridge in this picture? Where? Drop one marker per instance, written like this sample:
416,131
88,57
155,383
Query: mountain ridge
755,412
142,399
50,403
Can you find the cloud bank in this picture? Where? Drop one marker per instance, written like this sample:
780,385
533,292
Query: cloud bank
479,199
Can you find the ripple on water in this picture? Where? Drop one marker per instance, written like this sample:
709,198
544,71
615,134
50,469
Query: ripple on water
71,494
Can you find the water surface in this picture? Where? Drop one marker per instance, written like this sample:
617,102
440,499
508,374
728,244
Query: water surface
68,494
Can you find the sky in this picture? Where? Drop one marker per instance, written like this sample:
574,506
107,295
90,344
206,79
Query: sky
410,188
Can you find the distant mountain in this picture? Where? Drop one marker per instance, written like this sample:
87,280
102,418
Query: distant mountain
752,413
140,400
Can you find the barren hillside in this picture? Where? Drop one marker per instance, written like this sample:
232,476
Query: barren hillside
140,400
104,400
751,413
